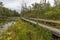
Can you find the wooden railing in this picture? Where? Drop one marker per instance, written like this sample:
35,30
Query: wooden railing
45,20
54,31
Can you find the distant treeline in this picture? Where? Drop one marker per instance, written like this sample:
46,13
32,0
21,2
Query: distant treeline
42,10
5,12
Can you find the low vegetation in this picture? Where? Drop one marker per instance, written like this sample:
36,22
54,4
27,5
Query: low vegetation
26,31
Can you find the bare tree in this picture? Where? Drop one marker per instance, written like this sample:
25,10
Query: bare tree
43,2
57,2
23,5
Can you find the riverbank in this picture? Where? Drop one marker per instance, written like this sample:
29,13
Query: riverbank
26,31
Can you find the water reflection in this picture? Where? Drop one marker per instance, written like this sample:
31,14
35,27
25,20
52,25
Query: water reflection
6,26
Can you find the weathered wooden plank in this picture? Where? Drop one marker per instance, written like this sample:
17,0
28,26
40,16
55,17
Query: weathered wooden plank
45,20
55,31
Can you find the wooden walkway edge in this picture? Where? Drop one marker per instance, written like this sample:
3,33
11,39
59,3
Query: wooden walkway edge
45,20
55,31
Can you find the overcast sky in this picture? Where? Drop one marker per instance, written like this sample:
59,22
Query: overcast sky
16,4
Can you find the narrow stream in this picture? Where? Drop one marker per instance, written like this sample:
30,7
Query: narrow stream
6,26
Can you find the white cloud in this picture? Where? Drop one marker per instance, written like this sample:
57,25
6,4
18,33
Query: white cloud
16,4
13,4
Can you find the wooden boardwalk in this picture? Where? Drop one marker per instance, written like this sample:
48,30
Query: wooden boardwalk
45,20
55,31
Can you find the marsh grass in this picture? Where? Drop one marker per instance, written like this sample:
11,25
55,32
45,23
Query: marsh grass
26,31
